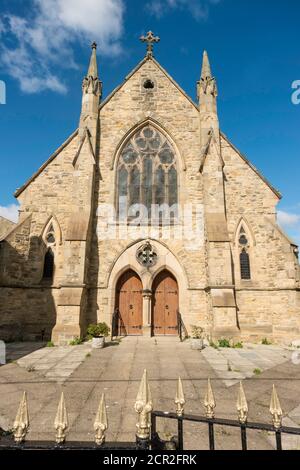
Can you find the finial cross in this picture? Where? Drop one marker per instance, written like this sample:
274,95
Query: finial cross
150,39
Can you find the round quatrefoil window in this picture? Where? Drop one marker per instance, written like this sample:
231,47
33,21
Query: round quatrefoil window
146,255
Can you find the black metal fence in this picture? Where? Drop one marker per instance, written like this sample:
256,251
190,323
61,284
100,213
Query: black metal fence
212,423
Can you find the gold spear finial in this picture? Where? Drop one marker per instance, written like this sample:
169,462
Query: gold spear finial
101,425
242,405
179,398
21,423
275,409
143,406
209,401
61,422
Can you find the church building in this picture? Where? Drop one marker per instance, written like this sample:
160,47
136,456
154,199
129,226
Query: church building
149,219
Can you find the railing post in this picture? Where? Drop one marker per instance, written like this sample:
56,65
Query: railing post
180,402
242,408
210,405
143,406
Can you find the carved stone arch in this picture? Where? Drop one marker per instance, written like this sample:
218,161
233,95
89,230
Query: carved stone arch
166,260
135,266
134,127
52,220
247,227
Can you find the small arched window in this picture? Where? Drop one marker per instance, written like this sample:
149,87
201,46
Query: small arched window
147,175
244,245
48,271
50,236
245,265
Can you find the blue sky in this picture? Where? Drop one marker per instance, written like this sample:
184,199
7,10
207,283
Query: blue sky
253,47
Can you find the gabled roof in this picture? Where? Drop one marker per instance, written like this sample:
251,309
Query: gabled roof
7,220
275,191
146,59
37,173
110,96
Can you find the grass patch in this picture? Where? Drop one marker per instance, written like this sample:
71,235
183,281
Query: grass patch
76,341
224,343
256,371
50,344
266,342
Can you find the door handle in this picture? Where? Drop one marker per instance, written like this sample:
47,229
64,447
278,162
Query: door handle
167,307
131,307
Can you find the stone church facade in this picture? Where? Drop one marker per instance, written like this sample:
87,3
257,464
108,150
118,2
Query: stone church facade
78,256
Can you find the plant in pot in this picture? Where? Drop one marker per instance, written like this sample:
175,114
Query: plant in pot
197,337
98,333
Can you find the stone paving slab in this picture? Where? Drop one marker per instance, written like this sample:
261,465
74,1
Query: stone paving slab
56,363
233,365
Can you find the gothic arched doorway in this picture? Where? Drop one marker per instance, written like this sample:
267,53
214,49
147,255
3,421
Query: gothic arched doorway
165,304
129,302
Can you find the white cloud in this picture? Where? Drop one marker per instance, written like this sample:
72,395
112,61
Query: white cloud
43,41
198,8
287,219
291,223
10,212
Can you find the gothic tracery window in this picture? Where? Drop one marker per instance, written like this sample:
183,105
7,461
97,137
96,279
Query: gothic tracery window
147,172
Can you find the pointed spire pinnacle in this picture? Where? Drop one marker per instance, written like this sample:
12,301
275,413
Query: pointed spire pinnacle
101,424
91,83
61,422
207,84
21,424
209,401
206,70
242,405
143,406
93,67
179,398
275,409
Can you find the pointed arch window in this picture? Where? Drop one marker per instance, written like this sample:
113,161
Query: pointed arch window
147,174
51,237
244,246
48,272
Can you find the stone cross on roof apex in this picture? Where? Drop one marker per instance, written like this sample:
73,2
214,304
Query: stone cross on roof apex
150,39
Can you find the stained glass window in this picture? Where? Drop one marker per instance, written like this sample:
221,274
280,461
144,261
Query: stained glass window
147,172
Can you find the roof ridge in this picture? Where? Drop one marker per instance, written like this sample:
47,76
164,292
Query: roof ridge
258,172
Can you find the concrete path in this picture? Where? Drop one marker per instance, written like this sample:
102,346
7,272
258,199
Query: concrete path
117,371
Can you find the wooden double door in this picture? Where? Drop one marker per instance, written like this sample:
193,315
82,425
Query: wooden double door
164,304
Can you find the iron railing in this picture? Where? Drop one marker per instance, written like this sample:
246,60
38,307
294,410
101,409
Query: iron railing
115,325
212,423
147,437
182,331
